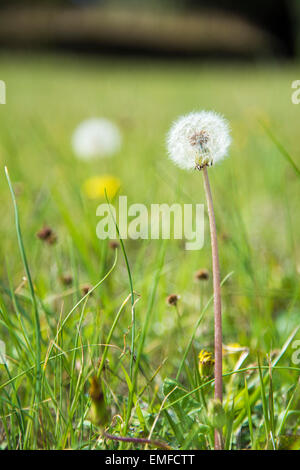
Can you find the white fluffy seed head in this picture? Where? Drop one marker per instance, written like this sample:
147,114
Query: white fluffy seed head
96,137
198,139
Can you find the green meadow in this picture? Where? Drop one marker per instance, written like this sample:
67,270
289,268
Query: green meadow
122,335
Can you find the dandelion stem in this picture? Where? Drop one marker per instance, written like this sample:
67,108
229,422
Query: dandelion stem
217,300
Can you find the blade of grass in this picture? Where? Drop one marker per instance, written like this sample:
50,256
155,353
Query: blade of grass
152,296
281,148
229,428
239,371
271,407
286,412
34,302
196,328
131,289
248,406
263,399
255,395
104,354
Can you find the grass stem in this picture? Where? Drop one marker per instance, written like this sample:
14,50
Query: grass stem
37,328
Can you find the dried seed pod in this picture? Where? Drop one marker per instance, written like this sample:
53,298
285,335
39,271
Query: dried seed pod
67,279
202,275
172,299
47,235
85,289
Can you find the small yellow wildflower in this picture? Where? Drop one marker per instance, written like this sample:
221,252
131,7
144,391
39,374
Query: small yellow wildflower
233,348
96,186
232,353
206,364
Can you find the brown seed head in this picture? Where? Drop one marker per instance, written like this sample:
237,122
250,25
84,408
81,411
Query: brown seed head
202,275
172,299
67,279
113,244
85,289
47,235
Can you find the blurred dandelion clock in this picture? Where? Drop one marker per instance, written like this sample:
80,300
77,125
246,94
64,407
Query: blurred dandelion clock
198,140
96,137
95,187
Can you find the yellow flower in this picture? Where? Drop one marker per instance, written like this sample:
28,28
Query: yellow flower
233,348
232,353
96,186
206,364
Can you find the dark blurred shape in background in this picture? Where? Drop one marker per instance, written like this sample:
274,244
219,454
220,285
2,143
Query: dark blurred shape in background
275,17
214,28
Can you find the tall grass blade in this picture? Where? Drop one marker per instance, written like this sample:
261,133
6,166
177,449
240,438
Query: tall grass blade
38,339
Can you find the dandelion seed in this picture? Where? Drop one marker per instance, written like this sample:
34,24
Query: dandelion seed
95,187
96,137
198,140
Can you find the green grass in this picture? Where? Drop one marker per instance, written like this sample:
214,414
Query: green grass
57,339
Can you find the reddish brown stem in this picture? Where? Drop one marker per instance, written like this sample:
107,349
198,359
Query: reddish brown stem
137,440
217,300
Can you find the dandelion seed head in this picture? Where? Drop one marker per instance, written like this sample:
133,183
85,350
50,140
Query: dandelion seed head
198,139
96,137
